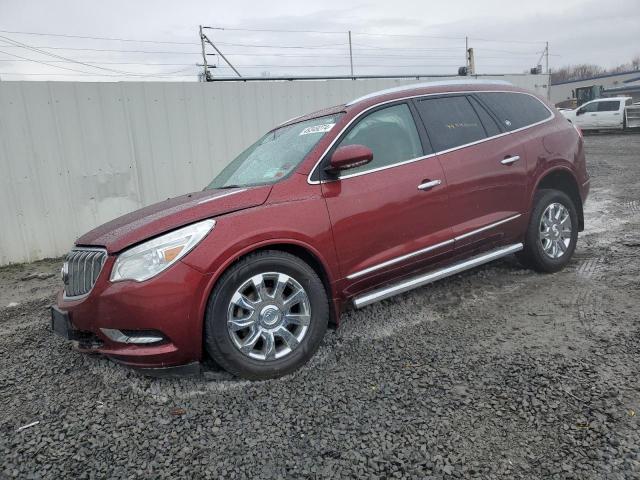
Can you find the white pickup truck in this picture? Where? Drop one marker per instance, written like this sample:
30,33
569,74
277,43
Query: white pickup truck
615,113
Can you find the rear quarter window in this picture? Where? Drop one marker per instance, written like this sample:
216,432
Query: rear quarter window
515,110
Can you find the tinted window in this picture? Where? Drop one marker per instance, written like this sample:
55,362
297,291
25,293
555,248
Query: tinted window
515,110
589,107
609,106
489,124
450,121
391,135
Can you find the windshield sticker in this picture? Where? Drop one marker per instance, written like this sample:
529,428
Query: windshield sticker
317,129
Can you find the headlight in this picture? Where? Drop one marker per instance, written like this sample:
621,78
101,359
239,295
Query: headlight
150,258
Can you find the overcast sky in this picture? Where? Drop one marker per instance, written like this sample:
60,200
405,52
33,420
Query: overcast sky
389,37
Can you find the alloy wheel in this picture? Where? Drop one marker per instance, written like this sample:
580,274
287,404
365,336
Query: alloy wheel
555,230
268,316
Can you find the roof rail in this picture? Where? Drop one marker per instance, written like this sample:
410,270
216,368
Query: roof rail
427,84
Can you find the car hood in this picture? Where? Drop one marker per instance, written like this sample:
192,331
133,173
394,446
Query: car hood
170,214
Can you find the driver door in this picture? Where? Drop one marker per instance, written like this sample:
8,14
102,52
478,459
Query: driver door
389,216
587,115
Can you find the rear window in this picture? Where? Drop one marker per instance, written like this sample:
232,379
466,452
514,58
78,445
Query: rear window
515,110
609,106
450,122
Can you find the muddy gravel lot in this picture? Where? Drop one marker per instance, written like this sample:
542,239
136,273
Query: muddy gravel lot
497,373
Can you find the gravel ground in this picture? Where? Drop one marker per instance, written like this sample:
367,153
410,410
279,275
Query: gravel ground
496,373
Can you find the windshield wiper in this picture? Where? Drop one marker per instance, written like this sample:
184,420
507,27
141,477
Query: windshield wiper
228,186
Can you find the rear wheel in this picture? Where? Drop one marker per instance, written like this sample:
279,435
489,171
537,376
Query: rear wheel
266,316
552,233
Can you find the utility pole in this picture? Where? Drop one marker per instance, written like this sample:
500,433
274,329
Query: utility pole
204,57
206,39
466,52
546,57
350,54
546,61
471,62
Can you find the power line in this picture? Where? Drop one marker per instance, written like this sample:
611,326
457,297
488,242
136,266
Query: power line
475,39
359,65
92,75
388,55
399,35
42,52
331,46
273,31
98,38
79,71
109,50
43,63
100,63
328,32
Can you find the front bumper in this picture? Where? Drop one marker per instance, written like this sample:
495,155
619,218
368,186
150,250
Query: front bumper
169,303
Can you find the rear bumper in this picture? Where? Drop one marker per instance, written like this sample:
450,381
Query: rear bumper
167,304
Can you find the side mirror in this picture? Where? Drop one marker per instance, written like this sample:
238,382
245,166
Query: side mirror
349,156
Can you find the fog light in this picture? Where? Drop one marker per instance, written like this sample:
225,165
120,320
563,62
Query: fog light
133,336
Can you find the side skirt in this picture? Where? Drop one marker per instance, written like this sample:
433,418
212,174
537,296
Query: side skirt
419,281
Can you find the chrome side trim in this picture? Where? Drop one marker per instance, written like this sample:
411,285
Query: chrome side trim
395,260
402,258
405,286
551,116
221,196
486,227
405,162
510,160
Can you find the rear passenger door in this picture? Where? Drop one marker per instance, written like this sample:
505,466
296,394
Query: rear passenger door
609,114
485,168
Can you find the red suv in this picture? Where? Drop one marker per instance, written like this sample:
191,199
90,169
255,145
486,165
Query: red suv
339,208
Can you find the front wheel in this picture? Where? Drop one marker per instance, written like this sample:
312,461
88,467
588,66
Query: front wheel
552,233
267,316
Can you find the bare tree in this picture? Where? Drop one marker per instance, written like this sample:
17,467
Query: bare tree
585,70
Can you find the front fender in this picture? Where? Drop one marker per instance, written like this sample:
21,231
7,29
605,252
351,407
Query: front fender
302,223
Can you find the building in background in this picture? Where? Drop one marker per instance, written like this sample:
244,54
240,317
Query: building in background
629,88
573,93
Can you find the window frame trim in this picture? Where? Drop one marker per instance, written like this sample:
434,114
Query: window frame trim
551,117
422,136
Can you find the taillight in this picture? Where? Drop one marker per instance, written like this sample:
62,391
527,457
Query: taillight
578,130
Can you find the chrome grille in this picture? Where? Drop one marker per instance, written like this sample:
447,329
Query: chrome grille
81,270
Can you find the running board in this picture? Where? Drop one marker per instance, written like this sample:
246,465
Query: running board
405,286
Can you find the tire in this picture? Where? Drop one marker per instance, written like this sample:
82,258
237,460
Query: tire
253,303
539,251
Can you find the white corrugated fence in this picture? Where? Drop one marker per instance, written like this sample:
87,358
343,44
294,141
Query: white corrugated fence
74,155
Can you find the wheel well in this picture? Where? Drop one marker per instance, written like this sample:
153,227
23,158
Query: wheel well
564,181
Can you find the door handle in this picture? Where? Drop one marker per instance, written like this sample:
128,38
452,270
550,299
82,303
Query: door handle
429,184
510,160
